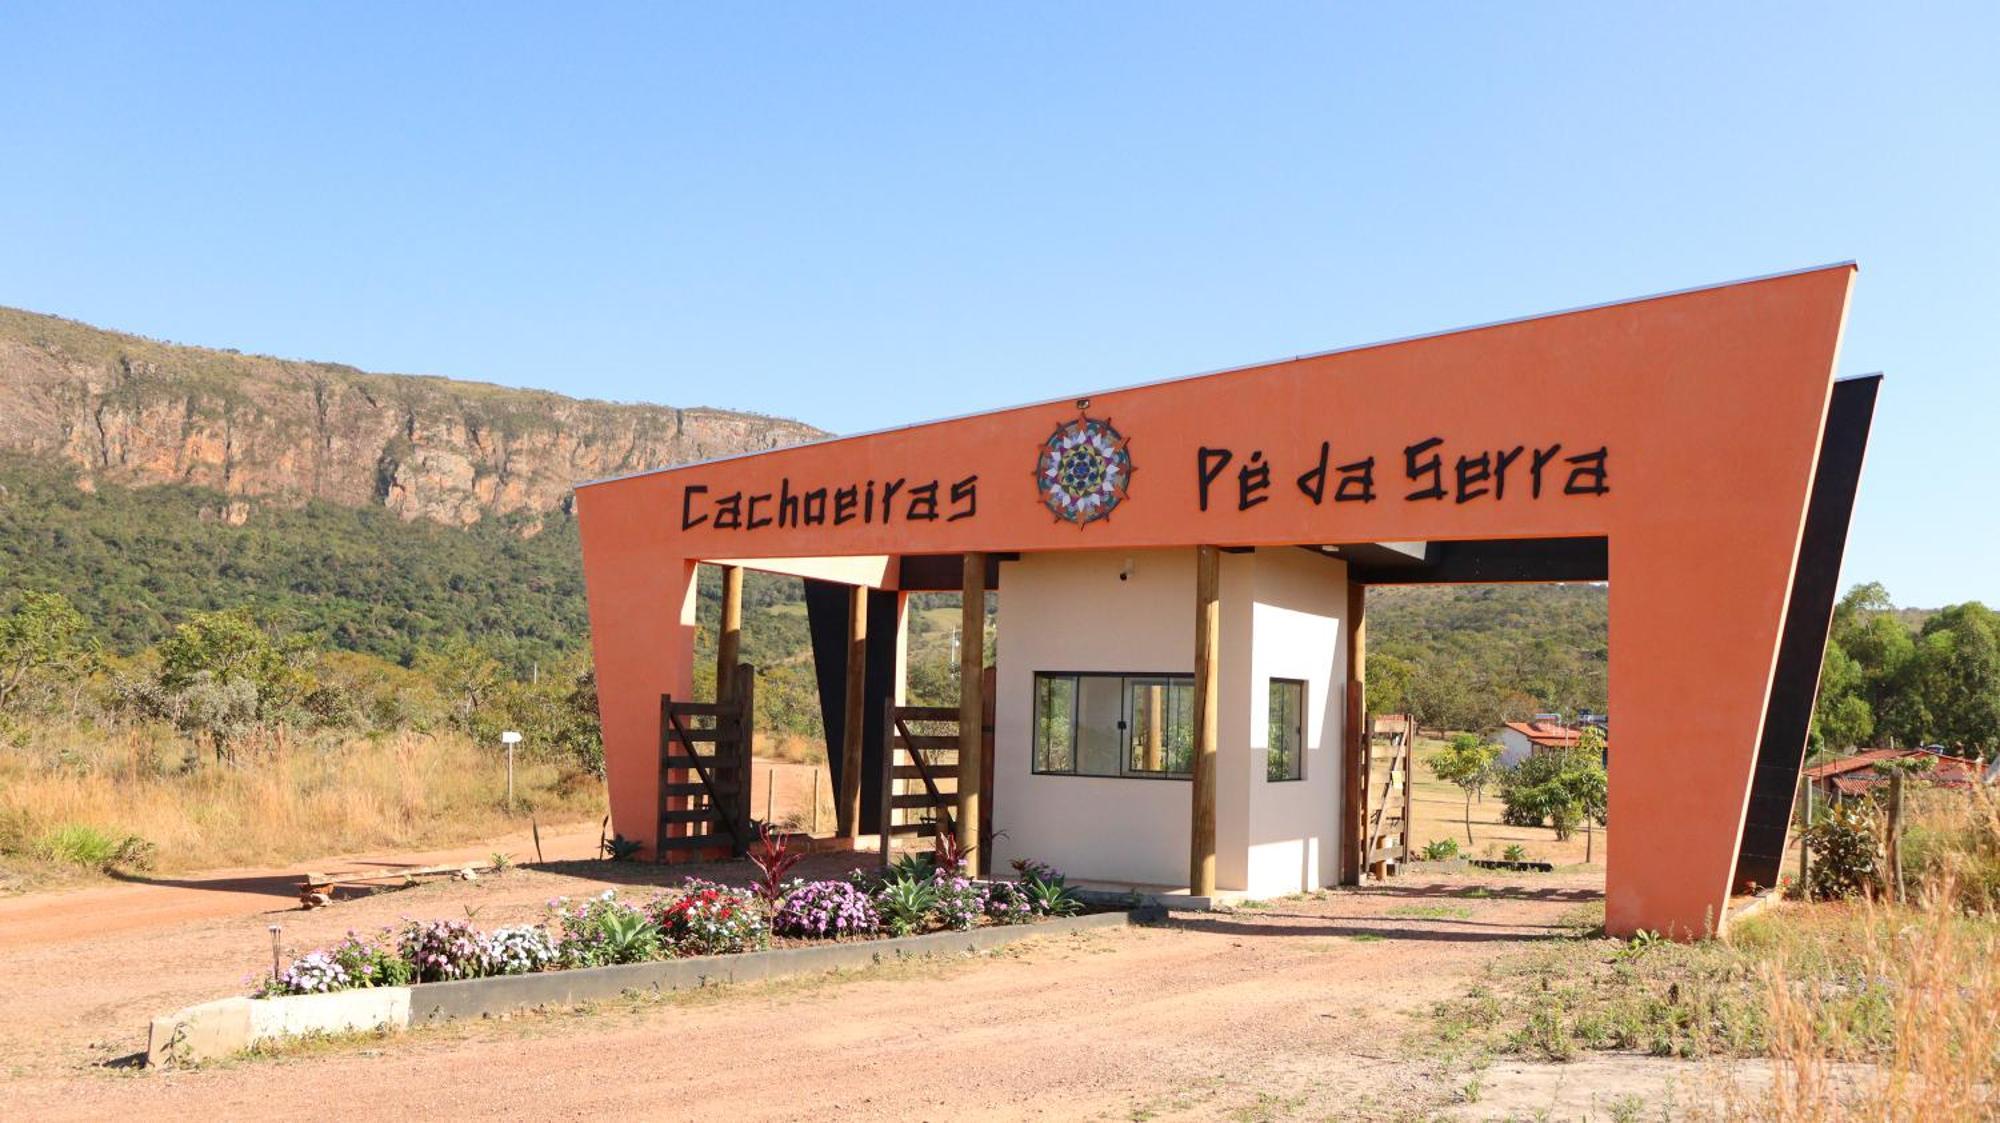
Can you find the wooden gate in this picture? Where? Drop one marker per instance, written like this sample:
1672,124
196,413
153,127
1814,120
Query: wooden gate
705,796
1388,824
919,772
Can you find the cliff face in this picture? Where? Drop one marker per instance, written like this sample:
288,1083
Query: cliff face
132,411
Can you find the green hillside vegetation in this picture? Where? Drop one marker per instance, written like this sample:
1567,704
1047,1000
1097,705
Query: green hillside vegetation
1473,656
136,561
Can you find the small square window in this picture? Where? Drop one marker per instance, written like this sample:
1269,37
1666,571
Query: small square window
1285,755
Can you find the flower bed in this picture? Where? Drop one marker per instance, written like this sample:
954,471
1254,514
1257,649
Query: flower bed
919,894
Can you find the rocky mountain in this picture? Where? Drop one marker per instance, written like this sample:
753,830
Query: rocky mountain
130,411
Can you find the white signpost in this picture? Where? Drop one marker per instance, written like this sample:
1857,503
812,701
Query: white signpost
510,739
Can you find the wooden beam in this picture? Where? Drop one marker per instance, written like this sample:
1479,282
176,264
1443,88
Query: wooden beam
971,709
847,809
1155,739
1207,702
729,633
1354,789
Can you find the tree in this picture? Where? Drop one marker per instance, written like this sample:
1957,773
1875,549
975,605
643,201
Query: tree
1842,717
1388,684
44,640
1468,763
1560,787
221,674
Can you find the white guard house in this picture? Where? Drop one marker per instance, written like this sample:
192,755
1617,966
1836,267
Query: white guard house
1093,717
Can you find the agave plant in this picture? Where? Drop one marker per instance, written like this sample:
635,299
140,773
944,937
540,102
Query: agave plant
904,905
1046,890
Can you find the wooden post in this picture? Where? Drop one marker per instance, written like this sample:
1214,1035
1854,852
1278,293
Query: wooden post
971,710
1409,795
1805,842
847,810
1896,834
729,634
1354,794
886,821
1207,702
1154,737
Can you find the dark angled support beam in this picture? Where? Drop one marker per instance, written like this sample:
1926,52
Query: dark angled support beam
1802,647
827,607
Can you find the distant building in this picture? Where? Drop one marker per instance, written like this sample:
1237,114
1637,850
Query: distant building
1521,739
1861,773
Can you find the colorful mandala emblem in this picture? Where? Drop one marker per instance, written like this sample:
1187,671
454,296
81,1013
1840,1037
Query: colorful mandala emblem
1084,470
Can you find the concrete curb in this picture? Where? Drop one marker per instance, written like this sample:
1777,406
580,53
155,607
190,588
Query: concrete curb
230,1025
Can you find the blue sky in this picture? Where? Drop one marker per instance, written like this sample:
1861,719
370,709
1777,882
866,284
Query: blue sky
869,214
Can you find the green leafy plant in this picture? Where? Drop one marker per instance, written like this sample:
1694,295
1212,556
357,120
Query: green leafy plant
1514,852
905,905
1049,894
1846,846
1439,850
621,849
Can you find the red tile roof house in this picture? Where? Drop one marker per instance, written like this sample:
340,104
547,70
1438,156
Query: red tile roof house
1857,774
1521,739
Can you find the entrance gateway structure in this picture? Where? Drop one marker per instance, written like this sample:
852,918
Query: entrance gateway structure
1177,695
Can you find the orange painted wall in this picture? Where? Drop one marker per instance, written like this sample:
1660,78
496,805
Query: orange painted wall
1709,404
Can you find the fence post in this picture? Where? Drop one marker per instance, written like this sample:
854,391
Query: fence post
1896,834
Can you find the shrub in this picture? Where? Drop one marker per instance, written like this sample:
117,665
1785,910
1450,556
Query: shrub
444,950
1846,848
1046,891
1441,850
375,962
603,930
829,909
1560,787
1514,852
1027,869
521,950
710,919
960,901
78,844
316,972
1008,903
904,906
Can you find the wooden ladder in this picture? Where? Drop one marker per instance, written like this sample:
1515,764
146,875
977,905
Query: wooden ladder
1387,845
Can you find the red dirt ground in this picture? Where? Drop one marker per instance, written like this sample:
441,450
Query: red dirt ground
1298,1009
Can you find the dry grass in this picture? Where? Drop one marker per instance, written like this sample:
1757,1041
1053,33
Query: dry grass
1866,1010
67,792
1930,972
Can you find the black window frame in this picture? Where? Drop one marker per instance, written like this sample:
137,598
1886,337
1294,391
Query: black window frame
1305,691
1125,771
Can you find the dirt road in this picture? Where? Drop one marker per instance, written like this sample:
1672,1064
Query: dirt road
1297,1009
147,902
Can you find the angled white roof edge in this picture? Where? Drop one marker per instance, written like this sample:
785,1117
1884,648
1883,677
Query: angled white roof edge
1847,263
